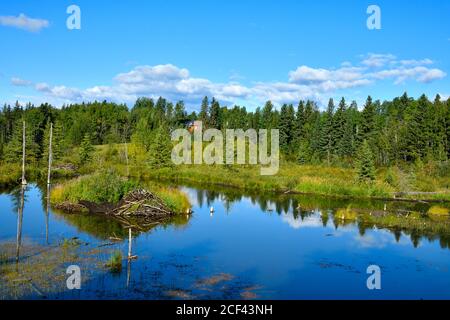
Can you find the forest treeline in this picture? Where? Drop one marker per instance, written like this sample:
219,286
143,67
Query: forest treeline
401,130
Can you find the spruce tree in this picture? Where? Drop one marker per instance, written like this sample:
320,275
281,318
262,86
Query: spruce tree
180,115
142,135
304,155
447,126
267,121
286,127
203,115
13,150
161,150
365,163
86,149
299,122
366,125
339,123
326,134
215,120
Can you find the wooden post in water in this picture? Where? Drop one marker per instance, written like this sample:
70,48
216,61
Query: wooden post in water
129,244
50,156
47,212
24,181
130,239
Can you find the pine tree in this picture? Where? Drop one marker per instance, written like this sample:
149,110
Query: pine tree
299,122
366,126
203,115
304,153
215,120
59,145
365,163
286,127
160,112
326,132
339,123
180,115
142,135
13,150
86,149
267,117
161,150
447,126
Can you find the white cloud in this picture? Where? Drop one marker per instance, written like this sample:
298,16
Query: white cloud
23,22
413,62
305,82
419,74
376,60
15,81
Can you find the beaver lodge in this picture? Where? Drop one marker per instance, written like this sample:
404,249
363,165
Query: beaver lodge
140,208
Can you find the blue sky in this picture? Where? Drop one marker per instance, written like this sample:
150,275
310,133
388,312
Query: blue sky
243,52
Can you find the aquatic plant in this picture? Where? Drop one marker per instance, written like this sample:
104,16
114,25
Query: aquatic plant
115,262
438,210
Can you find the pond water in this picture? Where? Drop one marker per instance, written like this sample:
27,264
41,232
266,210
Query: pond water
250,247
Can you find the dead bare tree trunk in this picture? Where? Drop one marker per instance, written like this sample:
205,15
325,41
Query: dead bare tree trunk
24,181
129,243
50,156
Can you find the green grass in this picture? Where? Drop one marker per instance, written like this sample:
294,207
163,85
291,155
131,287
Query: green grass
114,263
438,211
9,174
294,178
102,187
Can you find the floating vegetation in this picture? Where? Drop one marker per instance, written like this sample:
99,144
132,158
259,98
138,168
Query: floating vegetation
214,280
114,263
179,294
437,210
73,242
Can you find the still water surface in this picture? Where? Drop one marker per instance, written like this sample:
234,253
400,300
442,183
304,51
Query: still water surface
285,247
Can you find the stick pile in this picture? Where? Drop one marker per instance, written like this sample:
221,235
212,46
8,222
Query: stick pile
141,203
